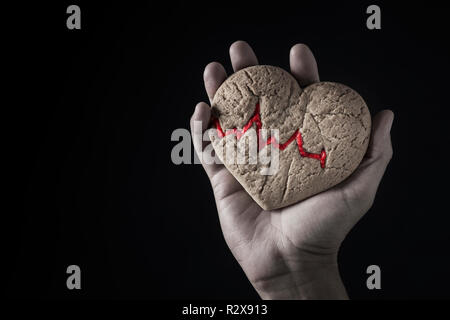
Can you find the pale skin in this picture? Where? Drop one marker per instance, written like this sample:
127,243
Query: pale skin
291,253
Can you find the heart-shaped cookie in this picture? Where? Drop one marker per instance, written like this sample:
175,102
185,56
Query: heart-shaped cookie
321,134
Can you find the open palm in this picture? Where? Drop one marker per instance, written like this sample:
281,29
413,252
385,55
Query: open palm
289,252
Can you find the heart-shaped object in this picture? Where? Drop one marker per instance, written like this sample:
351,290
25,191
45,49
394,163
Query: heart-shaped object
323,133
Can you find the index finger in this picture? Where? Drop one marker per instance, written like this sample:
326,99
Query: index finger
213,76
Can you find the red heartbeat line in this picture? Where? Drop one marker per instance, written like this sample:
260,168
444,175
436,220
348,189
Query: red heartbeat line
297,136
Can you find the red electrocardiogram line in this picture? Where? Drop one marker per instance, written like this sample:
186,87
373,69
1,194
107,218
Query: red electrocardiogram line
257,119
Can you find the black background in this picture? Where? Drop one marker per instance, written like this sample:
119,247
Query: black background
87,143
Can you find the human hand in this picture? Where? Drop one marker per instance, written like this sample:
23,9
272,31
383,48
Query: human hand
291,253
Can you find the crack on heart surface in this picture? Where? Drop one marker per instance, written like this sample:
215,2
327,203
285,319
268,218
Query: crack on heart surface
286,182
297,136
263,184
250,78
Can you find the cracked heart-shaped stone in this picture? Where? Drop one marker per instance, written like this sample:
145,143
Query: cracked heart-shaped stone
319,134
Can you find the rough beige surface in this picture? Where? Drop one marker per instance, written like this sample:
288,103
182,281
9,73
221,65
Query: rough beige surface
329,115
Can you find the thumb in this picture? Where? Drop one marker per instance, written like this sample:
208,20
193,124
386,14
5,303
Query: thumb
365,180
380,146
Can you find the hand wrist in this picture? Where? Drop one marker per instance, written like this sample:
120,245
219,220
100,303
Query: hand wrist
311,281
